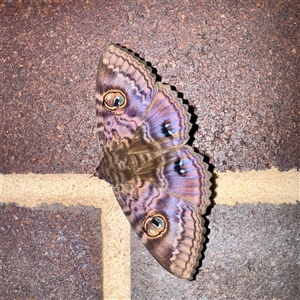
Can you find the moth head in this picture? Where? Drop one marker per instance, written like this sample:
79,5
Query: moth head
155,225
114,99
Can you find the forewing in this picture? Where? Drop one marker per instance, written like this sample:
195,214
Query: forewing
119,70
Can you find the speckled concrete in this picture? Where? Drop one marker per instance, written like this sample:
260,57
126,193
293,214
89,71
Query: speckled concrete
252,253
50,252
77,193
237,63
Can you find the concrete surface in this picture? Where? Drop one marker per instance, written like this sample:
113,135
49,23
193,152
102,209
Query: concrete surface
50,252
76,193
236,62
252,253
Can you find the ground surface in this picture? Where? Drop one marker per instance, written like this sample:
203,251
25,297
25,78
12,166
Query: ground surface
237,63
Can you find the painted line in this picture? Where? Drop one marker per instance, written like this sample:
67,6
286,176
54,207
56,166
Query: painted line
253,187
269,186
31,190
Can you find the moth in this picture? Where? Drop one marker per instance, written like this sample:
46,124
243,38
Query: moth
161,184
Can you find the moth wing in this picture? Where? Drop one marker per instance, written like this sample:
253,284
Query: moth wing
121,72
178,243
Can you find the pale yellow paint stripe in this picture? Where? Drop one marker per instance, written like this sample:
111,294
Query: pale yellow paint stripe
270,186
69,189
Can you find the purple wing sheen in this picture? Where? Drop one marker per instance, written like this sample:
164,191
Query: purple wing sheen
120,70
166,123
178,249
161,184
182,173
